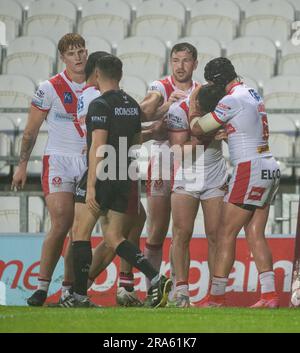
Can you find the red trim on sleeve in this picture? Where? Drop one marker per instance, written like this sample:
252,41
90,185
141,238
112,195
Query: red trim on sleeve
216,118
241,183
42,110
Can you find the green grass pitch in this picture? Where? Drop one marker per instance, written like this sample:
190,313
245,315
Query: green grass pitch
172,320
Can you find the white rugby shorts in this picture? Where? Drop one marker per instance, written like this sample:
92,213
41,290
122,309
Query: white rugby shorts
254,182
62,173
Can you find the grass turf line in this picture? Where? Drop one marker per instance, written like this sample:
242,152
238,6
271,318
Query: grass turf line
114,319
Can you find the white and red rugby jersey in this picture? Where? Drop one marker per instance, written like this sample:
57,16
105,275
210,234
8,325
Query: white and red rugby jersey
58,96
243,113
178,120
167,85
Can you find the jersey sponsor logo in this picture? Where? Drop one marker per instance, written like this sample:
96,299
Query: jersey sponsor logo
175,122
126,111
267,174
219,112
39,93
65,117
80,104
100,119
80,192
256,193
68,98
56,181
223,106
254,94
38,102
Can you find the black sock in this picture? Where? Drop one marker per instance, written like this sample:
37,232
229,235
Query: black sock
136,258
82,259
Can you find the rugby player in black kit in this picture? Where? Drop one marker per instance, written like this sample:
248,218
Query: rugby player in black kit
112,119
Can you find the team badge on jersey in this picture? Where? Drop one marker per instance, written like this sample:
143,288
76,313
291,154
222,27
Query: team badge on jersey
56,181
68,98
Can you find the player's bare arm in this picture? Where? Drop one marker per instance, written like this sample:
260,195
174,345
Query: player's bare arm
35,120
152,106
99,139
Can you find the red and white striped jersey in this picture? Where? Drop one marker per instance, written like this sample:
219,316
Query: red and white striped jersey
243,114
58,96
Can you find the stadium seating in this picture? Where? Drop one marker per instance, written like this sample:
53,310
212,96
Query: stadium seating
9,214
35,166
24,3
30,56
250,82
108,19
281,146
79,4
188,4
296,5
134,86
50,18
282,92
208,48
5,151
214,18
163,19
281,123
11,15
290,59
15,91
143,57
253,56
92,44
268,18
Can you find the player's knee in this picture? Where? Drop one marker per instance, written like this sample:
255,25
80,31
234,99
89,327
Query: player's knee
211,239
253,236
181,236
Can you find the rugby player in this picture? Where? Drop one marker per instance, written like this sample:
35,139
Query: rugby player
111,116
64,160
253,184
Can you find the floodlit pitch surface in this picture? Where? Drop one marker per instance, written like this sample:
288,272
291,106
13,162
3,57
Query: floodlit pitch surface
114,319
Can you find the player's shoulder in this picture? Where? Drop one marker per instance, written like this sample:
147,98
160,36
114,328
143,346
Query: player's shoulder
157,85
45,86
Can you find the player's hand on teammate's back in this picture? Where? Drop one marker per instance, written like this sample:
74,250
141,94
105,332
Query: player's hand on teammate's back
221,135
91,202
19,178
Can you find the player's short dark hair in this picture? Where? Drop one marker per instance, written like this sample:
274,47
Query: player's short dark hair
91,62
209,96
184,46
219,71
110,66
